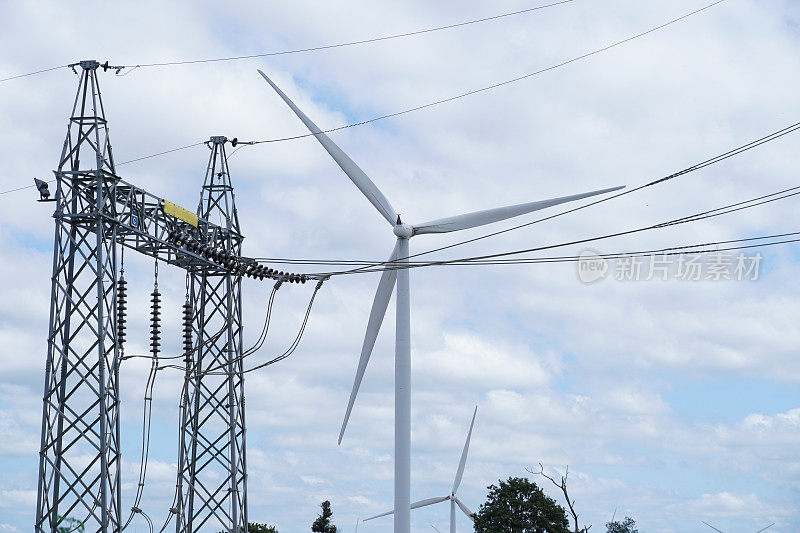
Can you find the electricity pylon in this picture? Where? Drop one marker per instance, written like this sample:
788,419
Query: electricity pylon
212,467
79,461
79,467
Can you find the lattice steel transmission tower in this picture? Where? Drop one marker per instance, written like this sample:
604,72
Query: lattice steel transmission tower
212,466
79,468
79,465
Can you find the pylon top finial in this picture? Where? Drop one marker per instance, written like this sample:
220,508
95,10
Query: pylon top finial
89,64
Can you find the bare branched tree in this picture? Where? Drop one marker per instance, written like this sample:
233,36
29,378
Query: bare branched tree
563,487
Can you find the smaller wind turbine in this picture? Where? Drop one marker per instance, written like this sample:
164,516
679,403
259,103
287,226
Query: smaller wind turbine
452,496
720,531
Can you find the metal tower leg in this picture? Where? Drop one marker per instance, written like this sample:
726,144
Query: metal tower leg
212,477
79,466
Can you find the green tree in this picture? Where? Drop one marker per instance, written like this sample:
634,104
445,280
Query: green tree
69,525
323,522
255,527
626,526
518,505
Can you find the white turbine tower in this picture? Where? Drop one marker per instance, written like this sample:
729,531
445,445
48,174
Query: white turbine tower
453,497
399,275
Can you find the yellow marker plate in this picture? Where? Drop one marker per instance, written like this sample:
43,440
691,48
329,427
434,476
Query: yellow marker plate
180,213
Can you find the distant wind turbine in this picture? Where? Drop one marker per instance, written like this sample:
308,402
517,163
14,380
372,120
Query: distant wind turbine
397,273
452,496
712,527
720,531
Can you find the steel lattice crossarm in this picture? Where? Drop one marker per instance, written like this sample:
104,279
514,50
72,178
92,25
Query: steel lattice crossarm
161,229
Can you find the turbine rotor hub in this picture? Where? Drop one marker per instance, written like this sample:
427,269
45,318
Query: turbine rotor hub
404,231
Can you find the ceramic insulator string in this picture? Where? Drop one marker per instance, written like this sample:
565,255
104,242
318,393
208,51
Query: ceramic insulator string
187,330
122,315
155,322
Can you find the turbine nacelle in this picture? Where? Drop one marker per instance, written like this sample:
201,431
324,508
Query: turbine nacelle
404,231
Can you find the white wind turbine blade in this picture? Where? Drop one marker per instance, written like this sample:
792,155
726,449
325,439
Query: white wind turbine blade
429,501
379,305
488,216
353,171
387,513
712,527
462,463
465,509
415,505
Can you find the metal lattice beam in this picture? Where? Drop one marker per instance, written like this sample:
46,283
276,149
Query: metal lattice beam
212,468
79,467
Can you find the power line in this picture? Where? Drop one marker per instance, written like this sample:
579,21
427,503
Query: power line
693,249
116,164
161,153
352,43
476,259
413,109
32,73
498,84
313,48
710,161
218,370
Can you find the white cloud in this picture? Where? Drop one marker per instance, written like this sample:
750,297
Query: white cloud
563,373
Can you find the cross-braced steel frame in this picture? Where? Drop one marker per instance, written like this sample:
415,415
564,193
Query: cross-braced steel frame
212,467
79,468
79,465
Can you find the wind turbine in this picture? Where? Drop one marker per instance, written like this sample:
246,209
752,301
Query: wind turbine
452,496
399,275
720,531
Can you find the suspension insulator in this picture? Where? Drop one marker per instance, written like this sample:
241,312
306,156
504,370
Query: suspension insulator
303,278
122,315
155,322
187,329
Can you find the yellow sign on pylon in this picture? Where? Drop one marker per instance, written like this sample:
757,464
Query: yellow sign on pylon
180,213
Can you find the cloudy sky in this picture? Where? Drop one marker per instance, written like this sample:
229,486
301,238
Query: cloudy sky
671,401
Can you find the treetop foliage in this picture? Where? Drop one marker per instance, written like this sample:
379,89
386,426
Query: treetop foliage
323,522
626,526
518,505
